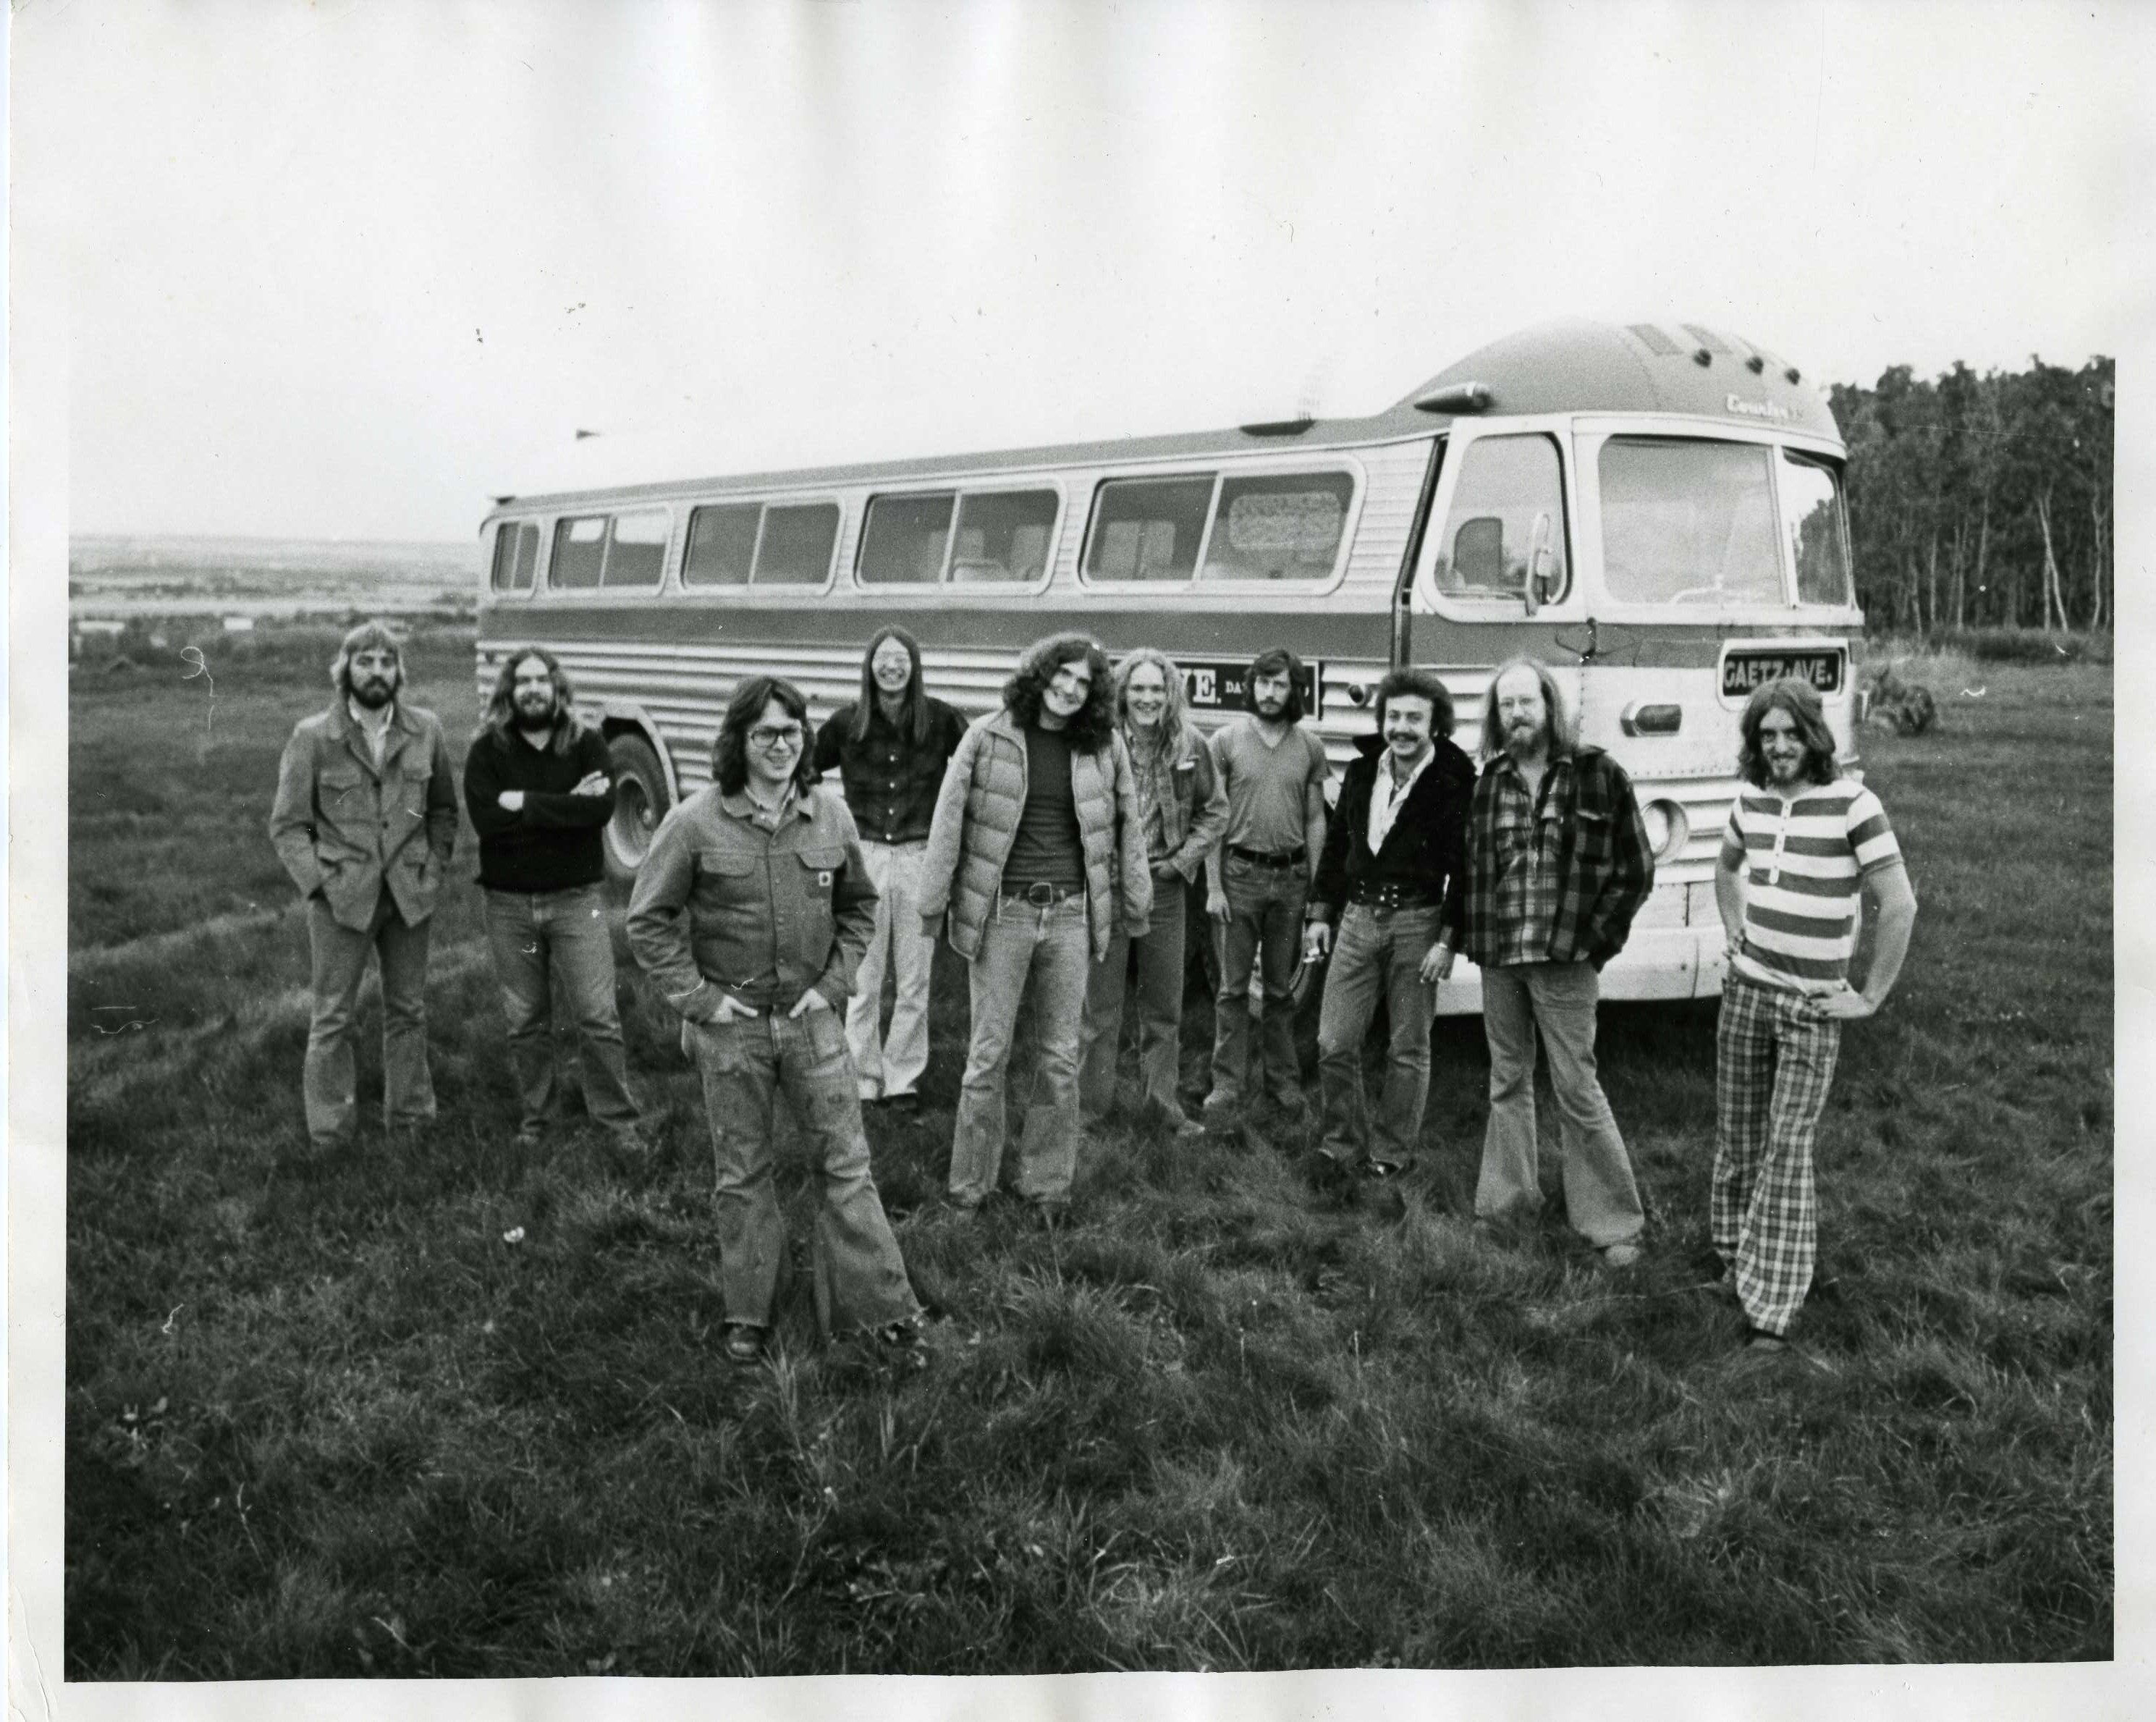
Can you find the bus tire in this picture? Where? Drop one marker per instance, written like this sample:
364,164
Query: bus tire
640,801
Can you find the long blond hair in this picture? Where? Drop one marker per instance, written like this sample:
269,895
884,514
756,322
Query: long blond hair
1171,716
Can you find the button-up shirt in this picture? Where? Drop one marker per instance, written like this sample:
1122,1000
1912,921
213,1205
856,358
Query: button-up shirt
890,779
1388,796
1530,846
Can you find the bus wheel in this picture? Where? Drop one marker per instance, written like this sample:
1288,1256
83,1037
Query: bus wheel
639,803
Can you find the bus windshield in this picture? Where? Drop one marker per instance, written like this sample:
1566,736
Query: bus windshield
1689,522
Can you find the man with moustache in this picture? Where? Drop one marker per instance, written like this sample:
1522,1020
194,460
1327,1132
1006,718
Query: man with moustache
1803,844
365,820
539,786
1391,876
1557,865
889,748
1037,849
1257,880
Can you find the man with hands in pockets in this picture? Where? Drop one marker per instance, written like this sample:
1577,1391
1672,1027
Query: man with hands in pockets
751,913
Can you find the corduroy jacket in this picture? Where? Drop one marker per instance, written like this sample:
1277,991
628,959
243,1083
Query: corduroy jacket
347,828
1605,868
977,816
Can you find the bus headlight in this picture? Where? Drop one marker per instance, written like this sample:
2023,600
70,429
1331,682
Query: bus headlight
1667,827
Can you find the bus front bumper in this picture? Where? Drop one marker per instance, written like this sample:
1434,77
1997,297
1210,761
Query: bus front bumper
1657,963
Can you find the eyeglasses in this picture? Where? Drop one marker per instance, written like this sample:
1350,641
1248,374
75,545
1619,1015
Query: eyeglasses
765,735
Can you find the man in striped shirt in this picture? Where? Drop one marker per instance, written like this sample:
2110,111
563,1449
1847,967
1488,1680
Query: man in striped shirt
1803,845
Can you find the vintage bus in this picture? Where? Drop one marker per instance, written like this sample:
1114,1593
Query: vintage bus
1656,509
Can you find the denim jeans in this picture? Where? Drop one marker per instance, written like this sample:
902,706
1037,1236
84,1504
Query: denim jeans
1158,986
1264,922
1041,958
338,960
1600,1199
539,937
888,1064
1376,953
859,1278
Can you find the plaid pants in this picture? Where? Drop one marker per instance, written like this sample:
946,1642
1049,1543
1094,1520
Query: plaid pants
1775,1060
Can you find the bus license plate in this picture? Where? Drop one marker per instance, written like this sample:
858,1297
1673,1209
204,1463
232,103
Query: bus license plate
1216,685
1742,671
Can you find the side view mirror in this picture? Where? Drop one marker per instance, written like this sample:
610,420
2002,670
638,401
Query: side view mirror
1540,585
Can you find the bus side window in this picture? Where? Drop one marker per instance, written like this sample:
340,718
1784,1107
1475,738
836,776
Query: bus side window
798,543
636,549
516,555
579,552
1149,528
1505,483
906,538
1003,536
1278,527
721,545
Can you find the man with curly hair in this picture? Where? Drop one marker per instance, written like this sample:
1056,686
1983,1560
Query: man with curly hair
1036,848
1803,843
539,786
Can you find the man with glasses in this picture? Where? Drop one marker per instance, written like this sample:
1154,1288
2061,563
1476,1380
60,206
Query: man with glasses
750,914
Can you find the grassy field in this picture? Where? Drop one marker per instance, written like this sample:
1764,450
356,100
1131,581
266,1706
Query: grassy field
326,1419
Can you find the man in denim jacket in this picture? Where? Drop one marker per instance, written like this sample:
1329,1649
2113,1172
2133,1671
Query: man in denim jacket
751,913
365,821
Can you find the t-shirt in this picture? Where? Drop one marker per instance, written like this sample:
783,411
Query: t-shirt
1045,846
1267,786
1805,860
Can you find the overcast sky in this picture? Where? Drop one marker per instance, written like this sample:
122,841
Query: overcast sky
345,269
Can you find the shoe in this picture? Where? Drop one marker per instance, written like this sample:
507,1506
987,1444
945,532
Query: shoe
527,1141
630,1141
959,1208
906,1105
1759,1342
1374,1168
1052,1214
1187,1128
1620,1255
743,1344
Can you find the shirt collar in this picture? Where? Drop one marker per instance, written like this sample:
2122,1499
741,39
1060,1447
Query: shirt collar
371,726
742,805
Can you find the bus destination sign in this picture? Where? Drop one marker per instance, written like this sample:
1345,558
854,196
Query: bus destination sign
1743,670
1216,685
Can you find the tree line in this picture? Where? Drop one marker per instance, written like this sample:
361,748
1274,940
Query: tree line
1982,502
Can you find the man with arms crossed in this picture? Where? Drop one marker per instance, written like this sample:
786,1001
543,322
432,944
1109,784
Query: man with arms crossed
365,821
889,748
1392,875
1557,865
1802,843
539,787
1256,882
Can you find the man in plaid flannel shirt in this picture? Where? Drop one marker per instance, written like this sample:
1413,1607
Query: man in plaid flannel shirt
1557,865
1803,845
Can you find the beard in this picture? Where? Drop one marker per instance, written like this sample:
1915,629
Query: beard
373,694
535,712
1526,736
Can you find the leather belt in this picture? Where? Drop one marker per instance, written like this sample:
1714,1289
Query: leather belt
1389,897
1259,857
1041,894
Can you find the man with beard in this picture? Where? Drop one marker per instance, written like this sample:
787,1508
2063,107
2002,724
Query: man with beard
1391,874
1557,865
889,748
1256,881
1038,845
1802,844
539,785
365,821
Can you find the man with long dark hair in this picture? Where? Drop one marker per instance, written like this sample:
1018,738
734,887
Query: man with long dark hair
1557,865
1392,875
1803,843
365,821
750,914
539,786
1037,845
889,748
1258,880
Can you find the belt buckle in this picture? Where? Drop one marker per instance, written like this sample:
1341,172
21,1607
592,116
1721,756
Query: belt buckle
1040,894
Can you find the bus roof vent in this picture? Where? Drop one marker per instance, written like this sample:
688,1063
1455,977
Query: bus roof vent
1654,341
1279,427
